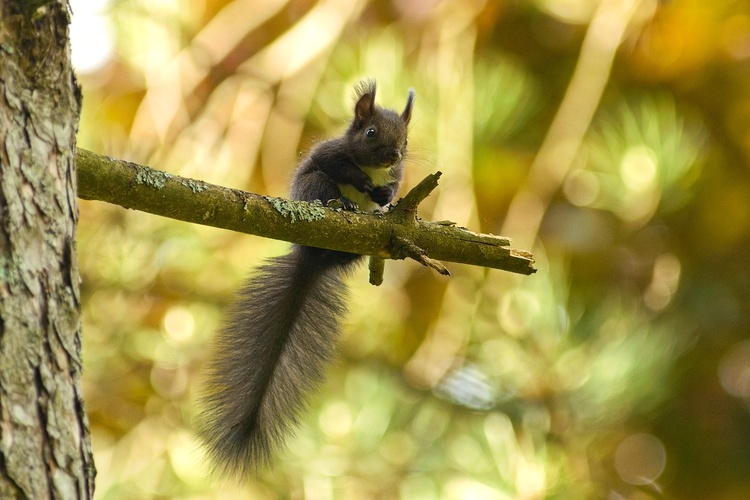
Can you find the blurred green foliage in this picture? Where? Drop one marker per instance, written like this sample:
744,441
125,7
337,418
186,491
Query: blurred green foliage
619,370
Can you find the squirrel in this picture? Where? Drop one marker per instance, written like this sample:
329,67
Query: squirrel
283,327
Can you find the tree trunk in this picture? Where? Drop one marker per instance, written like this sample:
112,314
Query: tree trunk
45,449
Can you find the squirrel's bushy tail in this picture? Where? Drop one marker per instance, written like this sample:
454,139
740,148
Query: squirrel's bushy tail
270,354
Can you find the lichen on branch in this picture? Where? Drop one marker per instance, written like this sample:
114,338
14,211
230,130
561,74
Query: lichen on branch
394,234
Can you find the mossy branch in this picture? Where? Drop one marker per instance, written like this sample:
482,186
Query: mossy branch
397,234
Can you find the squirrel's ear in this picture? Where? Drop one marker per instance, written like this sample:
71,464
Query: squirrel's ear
406,115
365,107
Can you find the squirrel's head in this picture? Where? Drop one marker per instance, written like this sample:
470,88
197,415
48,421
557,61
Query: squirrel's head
378,135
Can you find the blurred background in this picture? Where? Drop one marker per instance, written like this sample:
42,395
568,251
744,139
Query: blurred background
609,137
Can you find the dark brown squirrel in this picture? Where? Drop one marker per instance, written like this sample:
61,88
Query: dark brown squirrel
283,327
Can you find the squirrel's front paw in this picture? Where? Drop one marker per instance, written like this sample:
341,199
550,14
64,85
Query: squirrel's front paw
342,203
382,195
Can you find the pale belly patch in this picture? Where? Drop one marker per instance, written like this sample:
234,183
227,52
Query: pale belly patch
379,177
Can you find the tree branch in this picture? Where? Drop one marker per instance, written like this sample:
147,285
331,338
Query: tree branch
396,234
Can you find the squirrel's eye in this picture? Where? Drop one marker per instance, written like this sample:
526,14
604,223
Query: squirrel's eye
371,132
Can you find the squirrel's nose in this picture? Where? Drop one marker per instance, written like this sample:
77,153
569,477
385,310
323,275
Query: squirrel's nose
398,154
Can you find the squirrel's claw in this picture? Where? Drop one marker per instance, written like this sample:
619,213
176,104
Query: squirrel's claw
343,203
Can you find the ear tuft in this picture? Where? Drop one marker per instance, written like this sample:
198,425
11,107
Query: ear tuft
406,114
365,106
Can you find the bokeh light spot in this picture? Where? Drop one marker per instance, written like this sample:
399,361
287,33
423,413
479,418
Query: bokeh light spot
666,277
398,448
640,459
638,168
517,310
581,188
168,381
179,324
530,480
336,419
734,370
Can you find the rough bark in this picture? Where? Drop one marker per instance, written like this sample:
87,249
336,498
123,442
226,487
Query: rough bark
45,450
